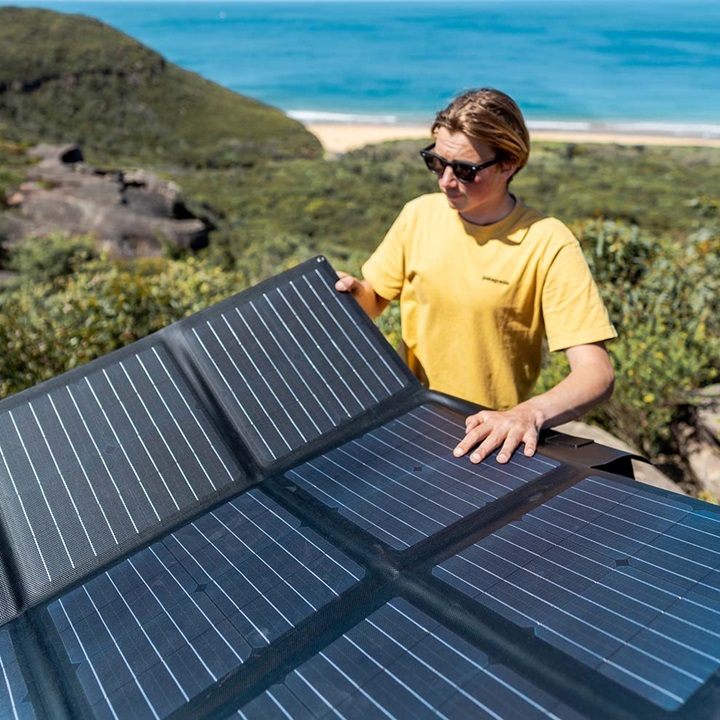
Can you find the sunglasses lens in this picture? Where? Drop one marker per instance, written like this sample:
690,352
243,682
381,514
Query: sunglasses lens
434,164
463,172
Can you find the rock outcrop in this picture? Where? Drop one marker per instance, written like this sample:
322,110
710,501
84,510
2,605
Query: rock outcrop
131,214
698,437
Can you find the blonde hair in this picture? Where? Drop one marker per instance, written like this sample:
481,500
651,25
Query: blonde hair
492,117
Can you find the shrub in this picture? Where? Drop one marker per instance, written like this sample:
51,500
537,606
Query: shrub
49,327
47,258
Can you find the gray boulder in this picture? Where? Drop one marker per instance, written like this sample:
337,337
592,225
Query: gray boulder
131,214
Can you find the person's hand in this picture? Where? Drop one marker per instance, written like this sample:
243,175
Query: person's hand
489,430
363,292
348,283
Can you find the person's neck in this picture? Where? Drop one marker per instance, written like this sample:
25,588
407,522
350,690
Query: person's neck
494,214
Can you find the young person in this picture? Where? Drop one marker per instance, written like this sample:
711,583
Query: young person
482,278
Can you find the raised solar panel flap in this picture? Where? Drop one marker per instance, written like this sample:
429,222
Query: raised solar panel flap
293,363
96,462
103,458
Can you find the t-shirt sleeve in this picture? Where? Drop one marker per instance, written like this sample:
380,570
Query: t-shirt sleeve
385,268
573,310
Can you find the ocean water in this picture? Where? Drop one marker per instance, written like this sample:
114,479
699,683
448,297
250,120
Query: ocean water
643,65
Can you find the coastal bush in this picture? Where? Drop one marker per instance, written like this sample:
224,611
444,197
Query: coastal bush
46,258
49,327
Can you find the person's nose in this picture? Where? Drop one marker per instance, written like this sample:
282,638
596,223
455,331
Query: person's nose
447,177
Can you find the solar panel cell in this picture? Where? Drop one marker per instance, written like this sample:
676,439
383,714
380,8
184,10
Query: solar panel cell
278,384
399,662
94,463
401,483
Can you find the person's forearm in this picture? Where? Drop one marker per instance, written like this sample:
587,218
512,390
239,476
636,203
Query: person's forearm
589,382
572,397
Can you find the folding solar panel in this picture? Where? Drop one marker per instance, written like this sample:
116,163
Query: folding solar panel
256,513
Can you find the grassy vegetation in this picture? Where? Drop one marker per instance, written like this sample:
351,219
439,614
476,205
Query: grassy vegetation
69,78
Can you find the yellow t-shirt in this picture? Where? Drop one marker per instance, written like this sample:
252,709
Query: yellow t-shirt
475,301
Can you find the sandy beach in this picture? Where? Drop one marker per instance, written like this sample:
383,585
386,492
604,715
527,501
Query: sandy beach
338,138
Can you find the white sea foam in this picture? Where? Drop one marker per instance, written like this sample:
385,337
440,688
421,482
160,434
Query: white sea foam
318,116
664,129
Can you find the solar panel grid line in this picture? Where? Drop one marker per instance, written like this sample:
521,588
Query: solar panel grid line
180,433
639,525
305,538
401,542
65,486
671,595
231,599
400,481
394,665
139,436
24,513
278,374
83,471
663,630
8,666
273,572
130,463
483,669
303,327
102,459
340,359
229,387
381,491
265,353
677,506
44,497
102,603
290,336
160,434
415,657
412,490
98,680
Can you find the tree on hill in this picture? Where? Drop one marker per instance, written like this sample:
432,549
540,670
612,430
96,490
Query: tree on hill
70,78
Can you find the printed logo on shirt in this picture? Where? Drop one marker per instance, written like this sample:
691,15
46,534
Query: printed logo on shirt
495,280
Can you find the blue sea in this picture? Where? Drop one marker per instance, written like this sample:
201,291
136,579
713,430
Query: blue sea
633,65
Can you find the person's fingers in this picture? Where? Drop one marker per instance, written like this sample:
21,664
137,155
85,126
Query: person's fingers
487,446
475,432
508,448
345,282
472,421
531,442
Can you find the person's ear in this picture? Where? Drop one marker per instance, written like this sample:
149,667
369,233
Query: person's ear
508,168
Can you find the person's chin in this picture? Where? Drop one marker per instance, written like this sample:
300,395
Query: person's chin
455,201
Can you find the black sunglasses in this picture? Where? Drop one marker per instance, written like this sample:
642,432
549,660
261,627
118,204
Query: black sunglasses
464,171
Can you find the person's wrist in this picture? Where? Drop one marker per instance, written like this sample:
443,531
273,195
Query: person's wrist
537,413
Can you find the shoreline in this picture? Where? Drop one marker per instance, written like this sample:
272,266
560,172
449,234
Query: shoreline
341,137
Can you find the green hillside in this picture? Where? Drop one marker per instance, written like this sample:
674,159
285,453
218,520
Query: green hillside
69,78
